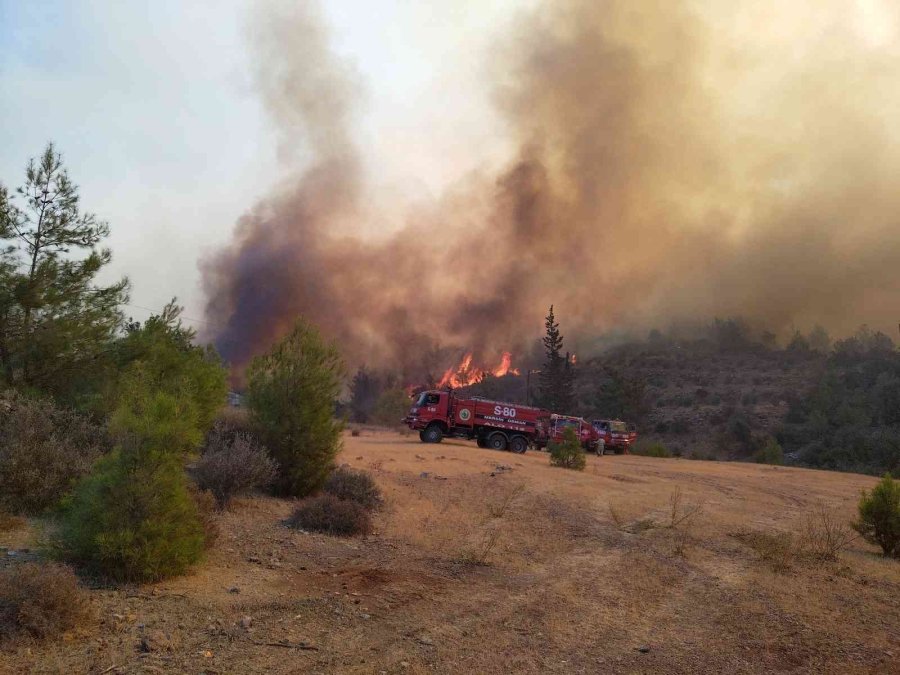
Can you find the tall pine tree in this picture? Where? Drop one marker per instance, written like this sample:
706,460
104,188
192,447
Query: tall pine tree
557,378
54,321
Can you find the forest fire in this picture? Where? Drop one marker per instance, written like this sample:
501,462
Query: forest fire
464,374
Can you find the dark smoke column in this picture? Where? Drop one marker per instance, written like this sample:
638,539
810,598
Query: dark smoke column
276,269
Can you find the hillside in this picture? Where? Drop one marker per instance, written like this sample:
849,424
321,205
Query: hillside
697,398
487,562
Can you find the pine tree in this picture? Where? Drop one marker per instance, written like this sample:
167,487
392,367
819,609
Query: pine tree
54,322
291,393
557,377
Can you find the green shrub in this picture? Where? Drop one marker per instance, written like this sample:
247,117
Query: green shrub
654,449
327,514
879,516
233,464
166,420
40,600
770,453
133,518
291,393
356,486
568,452
44,450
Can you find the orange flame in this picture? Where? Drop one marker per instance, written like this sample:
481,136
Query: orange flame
465,373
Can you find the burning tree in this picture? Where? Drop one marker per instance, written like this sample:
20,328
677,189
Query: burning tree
557,378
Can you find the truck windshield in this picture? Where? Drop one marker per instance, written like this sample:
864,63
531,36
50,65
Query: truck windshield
427,398
619,426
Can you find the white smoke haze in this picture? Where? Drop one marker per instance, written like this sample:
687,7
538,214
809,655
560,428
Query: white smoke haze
674,161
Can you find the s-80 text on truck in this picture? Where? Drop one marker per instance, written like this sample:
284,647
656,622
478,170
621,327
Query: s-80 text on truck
493,424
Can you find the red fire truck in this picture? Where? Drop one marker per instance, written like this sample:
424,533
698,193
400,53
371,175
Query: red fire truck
614,436
493,424
587,434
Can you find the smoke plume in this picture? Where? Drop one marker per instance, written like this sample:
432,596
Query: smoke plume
676,160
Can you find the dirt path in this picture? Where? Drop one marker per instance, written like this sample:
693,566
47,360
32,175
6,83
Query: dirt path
489,562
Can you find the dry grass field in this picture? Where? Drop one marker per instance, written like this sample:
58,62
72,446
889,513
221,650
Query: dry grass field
487,562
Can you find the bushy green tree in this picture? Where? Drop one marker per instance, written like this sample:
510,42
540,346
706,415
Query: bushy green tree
133,518
568,452
879,516
56,324
161,355
291,392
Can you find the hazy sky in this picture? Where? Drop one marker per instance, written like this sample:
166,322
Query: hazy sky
153,107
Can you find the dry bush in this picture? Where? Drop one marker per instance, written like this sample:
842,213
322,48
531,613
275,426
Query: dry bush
484,545
489,532
207,506
499,509
823,534
682,519
39,600
779,550
356,486
44,450
233,464
327,514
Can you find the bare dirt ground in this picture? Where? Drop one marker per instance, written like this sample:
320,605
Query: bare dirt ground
487,562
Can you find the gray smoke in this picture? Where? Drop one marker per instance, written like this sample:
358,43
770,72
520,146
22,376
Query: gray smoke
676,161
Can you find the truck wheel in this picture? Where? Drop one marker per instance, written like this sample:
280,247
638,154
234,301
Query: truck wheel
481,441
422,436
518,444
432,434
497,440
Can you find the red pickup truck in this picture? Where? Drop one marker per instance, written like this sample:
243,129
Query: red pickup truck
614,436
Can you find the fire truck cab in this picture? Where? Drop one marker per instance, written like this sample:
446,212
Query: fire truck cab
586,433
614,435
